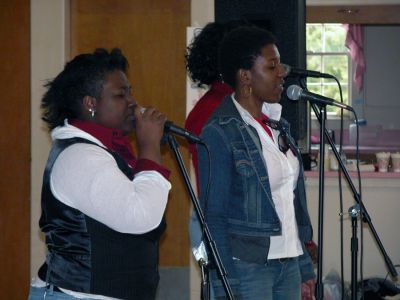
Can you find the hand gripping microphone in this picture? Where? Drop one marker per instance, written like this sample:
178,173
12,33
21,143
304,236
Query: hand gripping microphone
170,127
295,93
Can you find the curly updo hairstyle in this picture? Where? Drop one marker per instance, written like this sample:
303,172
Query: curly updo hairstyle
240,48
82,76
202,54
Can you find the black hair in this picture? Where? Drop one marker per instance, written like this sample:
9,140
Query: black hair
83,76
240,48
202,54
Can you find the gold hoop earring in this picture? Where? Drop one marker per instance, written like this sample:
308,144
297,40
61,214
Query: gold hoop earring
247,91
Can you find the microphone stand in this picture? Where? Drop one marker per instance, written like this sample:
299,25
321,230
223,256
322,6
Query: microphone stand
207,234
319,287
359,208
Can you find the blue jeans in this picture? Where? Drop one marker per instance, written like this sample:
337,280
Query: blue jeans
41,293
275,280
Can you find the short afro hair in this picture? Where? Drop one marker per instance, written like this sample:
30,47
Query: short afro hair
240,48
82,76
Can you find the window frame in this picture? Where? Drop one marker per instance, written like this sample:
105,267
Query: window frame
324,82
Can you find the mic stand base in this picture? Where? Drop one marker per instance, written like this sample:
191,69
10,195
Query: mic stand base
205,281
354,212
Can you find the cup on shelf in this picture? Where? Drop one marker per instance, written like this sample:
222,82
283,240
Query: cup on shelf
395,162
382,159
334,165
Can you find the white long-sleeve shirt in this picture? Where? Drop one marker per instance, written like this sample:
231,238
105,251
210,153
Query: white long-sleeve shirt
86,177
283,171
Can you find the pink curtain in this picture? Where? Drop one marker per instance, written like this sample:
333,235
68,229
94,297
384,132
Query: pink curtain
355,43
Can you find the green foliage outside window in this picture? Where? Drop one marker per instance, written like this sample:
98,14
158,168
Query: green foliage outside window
326,53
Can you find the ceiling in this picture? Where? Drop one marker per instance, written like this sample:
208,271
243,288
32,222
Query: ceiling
352,2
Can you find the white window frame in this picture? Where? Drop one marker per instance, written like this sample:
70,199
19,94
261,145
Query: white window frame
329,82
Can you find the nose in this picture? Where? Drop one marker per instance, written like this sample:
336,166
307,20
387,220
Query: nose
284,70
131,100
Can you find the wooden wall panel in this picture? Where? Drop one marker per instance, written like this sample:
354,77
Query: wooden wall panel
152,34
14,149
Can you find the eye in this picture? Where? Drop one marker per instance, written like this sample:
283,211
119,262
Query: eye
272,66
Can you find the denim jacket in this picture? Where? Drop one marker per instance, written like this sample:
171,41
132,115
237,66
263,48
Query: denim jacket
239,209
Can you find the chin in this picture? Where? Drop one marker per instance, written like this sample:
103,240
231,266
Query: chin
273,100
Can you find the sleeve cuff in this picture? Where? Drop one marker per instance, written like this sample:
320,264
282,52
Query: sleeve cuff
149,165
306,267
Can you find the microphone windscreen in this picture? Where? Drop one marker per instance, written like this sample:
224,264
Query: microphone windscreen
294,92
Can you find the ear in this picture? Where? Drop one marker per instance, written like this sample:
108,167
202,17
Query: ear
244,77
89,103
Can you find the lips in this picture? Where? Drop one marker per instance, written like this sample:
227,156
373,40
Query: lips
279,88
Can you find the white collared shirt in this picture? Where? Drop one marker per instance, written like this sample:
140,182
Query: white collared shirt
283,171
87,178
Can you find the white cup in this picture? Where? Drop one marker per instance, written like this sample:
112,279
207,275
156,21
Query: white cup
383,161
395,161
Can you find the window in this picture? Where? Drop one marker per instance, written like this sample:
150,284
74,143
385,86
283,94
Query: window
326,53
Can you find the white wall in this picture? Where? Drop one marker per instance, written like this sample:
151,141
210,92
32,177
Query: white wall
381,200
49,50
381,80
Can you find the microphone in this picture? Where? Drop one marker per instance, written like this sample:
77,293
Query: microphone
294,92
294,72
170,127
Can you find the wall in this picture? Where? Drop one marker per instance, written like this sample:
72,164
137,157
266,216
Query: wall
49,51
381,84
381,200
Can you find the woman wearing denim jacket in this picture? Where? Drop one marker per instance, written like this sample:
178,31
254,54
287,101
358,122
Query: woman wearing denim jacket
255,205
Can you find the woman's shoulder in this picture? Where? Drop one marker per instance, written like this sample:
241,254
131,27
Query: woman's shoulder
81,149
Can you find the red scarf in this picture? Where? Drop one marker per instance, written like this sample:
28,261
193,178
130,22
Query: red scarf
113,139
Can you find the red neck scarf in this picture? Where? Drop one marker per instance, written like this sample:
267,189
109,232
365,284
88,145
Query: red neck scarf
113,139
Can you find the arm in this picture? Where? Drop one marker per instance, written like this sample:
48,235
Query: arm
305,261
217,206
307,275
86,177
306,266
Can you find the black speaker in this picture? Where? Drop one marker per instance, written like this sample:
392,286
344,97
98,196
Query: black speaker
286,20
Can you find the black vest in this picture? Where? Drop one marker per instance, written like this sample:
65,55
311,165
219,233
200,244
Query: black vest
86,256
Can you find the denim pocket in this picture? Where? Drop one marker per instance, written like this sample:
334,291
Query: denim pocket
243,163
252,249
